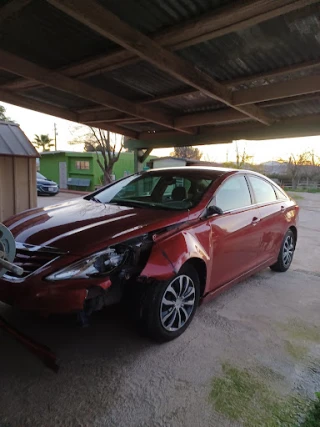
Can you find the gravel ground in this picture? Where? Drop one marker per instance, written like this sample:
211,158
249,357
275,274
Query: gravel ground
110,376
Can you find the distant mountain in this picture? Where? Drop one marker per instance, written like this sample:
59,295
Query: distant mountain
273,167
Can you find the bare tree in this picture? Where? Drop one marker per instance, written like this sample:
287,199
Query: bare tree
187,153
242,158
104,144
101,142
303,165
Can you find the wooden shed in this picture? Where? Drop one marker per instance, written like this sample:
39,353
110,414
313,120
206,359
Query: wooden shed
18,188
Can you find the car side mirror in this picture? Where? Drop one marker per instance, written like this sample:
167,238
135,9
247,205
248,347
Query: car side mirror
212,210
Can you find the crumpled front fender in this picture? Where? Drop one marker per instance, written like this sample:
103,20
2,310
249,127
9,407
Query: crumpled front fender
167,256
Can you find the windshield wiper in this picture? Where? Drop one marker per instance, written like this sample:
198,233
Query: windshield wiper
135,204
128,203
94,199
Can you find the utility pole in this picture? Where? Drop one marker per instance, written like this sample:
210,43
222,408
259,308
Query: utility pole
55,136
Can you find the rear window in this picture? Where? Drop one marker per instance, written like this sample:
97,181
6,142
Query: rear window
280,194
263,191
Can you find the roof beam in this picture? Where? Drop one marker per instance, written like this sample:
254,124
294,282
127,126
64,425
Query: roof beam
217,117
304,66
287,128
210,118
299,86
101,116
42,107
99,19
215,24
56,80
11,8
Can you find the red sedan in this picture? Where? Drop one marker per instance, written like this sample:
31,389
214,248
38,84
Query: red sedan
169,238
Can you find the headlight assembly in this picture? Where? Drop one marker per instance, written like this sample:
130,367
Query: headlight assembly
98,264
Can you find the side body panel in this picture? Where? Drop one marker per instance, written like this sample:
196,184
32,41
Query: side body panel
234,244
276,218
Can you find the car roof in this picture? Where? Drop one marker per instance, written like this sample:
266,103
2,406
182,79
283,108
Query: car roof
185,170
207,172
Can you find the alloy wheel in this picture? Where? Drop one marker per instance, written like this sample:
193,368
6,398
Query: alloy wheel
287,252
177,303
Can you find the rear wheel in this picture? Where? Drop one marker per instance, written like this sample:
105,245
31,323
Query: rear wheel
285,256
168,307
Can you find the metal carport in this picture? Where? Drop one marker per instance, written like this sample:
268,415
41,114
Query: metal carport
168,72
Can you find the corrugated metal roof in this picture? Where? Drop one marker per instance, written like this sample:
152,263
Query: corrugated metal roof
13,142
296,109
193,102
5,76
280,42
59,98
51,38
146,79
287,40
150,16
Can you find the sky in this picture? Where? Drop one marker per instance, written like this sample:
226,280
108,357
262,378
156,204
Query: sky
33,123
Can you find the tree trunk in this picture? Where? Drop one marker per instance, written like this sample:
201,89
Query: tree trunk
294,183
106,177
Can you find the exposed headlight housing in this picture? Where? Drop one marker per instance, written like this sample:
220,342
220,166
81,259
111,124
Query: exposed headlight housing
99,264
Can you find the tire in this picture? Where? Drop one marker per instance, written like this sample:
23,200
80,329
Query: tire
286,253
162,298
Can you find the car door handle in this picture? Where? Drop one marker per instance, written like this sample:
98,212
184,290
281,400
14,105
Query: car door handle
283,208
255,220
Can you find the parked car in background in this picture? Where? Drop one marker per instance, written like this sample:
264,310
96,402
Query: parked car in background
45,187
168,238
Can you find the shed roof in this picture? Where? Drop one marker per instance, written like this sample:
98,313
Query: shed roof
13,142
169,72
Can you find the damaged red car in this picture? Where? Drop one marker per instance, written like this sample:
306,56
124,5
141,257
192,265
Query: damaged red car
169,238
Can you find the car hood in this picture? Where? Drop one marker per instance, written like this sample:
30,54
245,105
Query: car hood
45,182
82,226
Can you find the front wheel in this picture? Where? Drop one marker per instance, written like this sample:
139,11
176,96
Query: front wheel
168,307
285,256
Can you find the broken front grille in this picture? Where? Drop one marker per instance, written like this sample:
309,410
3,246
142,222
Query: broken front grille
31,258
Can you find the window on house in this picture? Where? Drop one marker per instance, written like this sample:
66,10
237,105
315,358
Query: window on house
82,165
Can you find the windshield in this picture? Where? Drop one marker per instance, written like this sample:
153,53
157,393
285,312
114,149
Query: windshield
40,176
157,190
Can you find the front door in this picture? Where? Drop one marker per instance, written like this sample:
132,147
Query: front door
236,234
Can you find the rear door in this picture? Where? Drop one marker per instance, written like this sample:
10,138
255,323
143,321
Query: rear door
235,235
272,205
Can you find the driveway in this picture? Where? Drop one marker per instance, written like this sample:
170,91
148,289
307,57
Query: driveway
61,197
259,338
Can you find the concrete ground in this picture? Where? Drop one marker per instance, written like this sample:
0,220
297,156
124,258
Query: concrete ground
110,376
61,197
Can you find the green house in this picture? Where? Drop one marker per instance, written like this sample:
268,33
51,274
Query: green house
60,166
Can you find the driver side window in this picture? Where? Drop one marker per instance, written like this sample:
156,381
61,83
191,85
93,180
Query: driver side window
233,194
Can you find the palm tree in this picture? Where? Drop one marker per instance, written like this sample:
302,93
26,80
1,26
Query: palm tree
42,141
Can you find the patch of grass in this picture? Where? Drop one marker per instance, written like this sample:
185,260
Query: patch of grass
299,330
268,373
302,190
243,397
313,416
298,352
